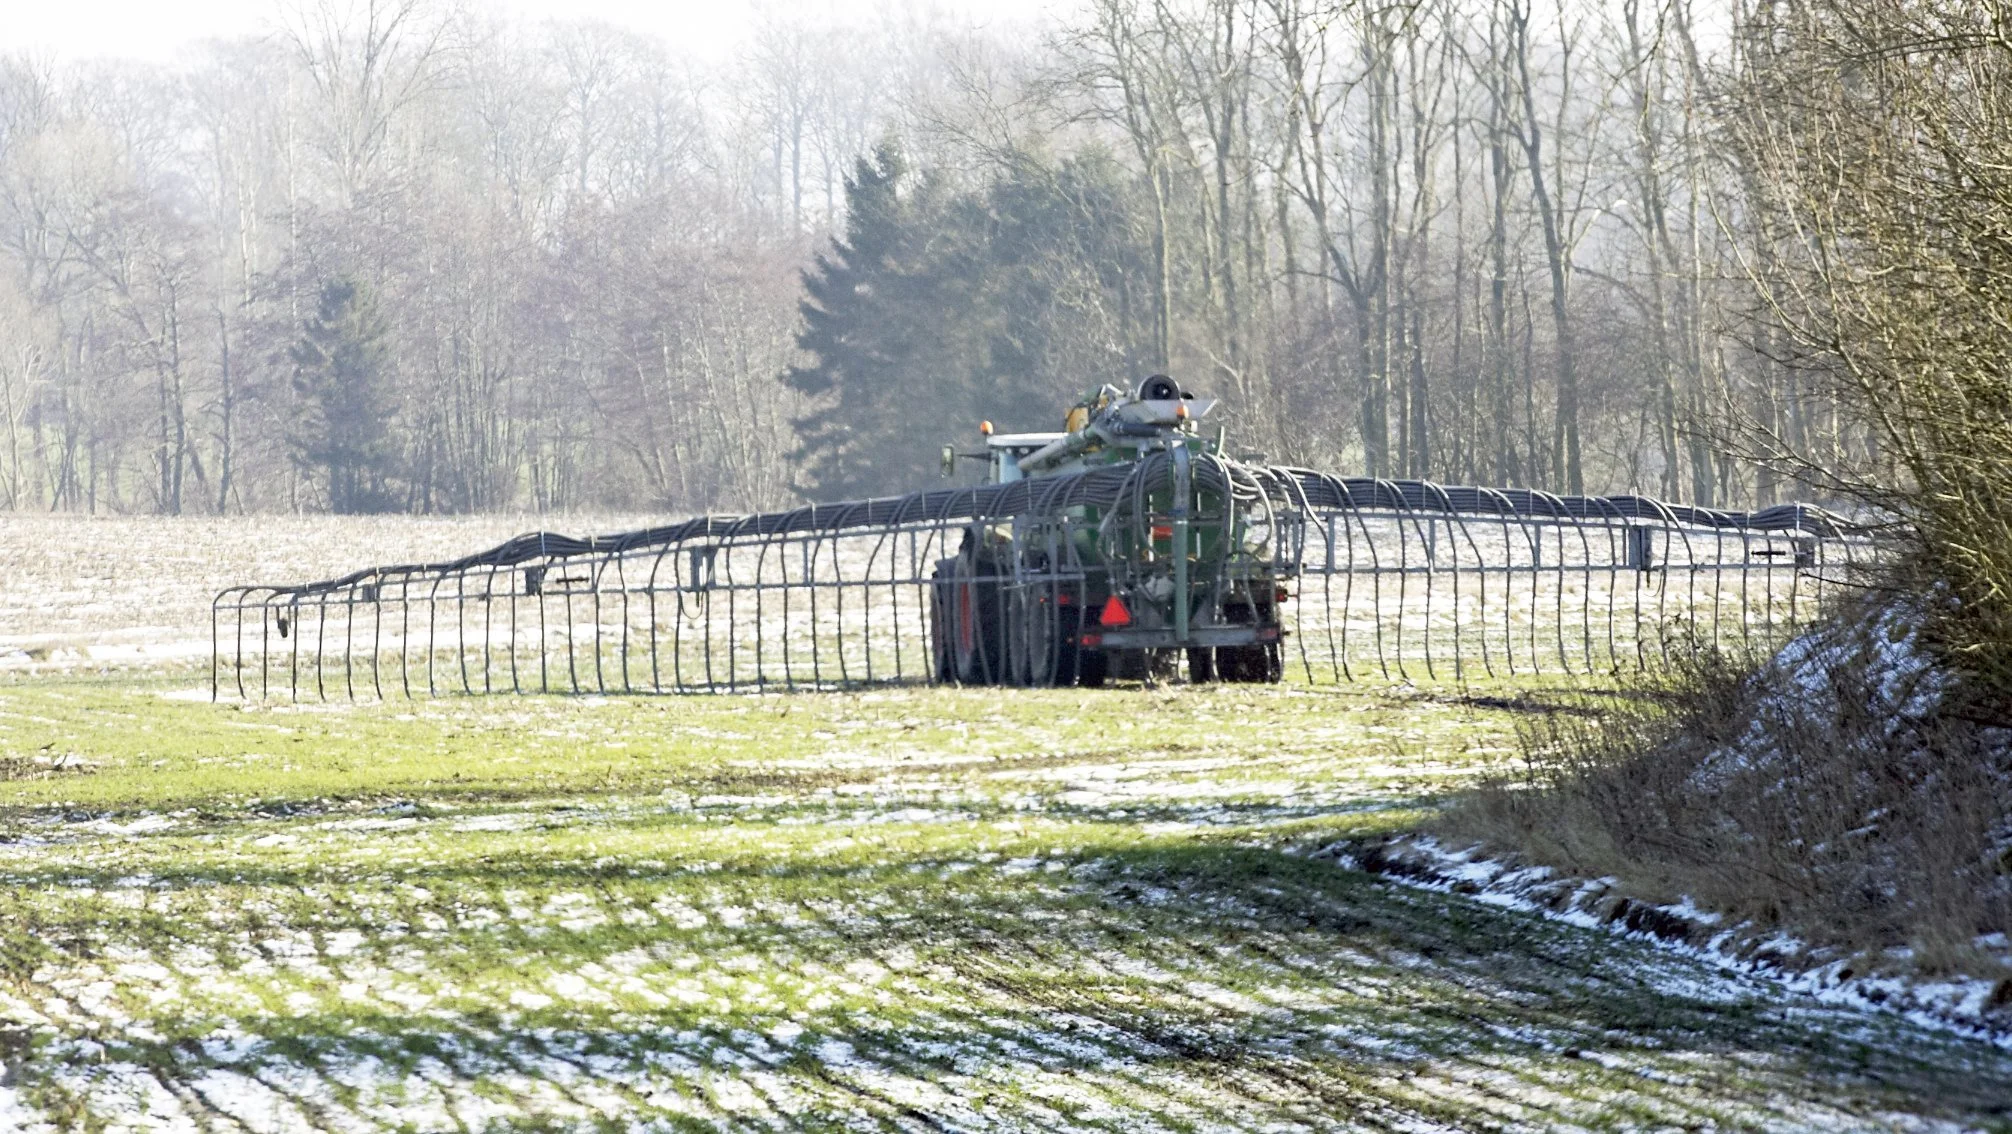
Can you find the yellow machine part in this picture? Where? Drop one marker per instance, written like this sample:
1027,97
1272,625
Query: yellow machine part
1079,414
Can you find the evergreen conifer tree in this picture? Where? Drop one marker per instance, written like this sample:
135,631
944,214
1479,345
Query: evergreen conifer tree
939,308
846,314
342,433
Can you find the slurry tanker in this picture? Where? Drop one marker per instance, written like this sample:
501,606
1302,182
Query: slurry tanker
1193,557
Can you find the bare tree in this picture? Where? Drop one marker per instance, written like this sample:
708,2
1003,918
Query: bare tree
367,62
1481,239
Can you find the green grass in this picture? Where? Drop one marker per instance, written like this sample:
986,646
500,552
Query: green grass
147,751
902,909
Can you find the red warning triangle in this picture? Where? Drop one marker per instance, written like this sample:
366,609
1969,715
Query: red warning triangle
1114,613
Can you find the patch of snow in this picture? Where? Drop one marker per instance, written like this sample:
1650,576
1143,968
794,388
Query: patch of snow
343,942
144,825
502,822
15,1115
1957,1006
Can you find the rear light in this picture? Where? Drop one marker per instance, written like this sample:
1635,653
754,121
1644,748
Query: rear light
1281,595
1163,531
1268,634
1089,640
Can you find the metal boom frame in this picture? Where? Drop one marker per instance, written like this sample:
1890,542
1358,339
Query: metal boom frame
1395,580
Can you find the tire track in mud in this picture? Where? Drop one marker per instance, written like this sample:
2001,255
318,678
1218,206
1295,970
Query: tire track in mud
1264,1082
1480,1005
1274,1073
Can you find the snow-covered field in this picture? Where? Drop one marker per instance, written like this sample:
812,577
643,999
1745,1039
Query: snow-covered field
910,909
902,909
83,590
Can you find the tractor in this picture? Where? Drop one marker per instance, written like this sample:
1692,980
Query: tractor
1192,562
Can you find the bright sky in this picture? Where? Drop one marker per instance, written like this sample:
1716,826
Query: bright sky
157,30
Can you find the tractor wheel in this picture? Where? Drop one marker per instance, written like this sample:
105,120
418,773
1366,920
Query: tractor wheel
1043,639
942,625
1068,655
1093,668
1274,662
1044,650
1201,665
1260,663
1013,652
1022,661
1152,666
976,623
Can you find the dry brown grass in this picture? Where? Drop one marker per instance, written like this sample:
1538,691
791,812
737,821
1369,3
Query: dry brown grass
1839,800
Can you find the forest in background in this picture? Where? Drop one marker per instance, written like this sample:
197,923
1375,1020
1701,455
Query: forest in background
401,256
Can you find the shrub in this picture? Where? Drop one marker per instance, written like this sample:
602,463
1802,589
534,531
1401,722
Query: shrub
1827,792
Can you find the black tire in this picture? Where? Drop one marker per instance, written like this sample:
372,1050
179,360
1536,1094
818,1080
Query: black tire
1068,654
1201,665
1045,639
942,586
1093,668
1260,663
976,622
1023,617
1152,665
